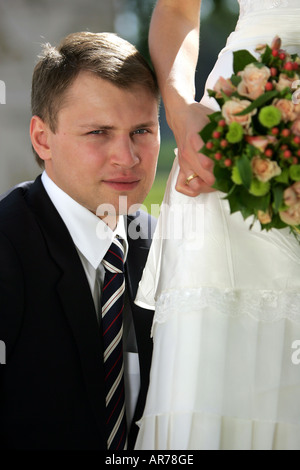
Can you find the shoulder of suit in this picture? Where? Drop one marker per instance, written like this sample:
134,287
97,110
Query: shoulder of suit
12,202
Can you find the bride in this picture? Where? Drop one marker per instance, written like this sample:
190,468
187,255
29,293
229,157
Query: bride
226,298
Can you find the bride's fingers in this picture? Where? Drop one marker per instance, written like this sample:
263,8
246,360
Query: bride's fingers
192,188
205,177
202,165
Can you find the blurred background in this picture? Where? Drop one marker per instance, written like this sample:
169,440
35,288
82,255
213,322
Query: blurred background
26,24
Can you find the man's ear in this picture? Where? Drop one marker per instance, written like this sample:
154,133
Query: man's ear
39,134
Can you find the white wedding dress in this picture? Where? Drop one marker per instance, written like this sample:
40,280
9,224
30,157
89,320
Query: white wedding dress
225,372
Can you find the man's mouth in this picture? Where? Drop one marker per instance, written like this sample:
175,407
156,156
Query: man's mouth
122,183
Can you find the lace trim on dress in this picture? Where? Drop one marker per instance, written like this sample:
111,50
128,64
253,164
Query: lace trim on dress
261,305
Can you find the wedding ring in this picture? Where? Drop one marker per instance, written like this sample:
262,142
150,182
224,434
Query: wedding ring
190,178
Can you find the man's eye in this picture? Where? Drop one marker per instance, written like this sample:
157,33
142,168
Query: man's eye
141,131
97,132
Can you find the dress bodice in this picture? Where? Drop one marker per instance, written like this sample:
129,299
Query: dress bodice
250,6
261,20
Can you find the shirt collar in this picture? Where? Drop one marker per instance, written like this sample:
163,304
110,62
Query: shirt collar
90,234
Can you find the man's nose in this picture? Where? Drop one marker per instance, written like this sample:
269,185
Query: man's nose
124,153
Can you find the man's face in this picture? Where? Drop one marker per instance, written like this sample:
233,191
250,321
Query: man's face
106,143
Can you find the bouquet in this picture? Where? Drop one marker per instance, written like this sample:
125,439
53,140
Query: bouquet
254,140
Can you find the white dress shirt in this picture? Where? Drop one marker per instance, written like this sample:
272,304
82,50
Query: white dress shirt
92,238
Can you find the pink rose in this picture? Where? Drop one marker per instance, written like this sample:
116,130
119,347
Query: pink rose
254,81
286,82
264,217
296,188
261,142
235,106
290,197
292,215
225,86
287,109
296,127
297,109
264,170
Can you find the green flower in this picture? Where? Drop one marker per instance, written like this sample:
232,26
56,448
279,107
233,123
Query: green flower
235,133
295,172
259,188
269,116
235,176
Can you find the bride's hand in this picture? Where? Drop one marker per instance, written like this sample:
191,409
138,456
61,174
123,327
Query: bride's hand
186,127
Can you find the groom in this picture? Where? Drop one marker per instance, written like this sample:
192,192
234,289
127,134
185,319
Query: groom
95,133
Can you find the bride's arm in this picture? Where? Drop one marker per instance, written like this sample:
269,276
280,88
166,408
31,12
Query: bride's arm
174,49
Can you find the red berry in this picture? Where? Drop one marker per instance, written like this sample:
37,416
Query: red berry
288,66
209,145
269,153
298,153
222,123
283,147
269,86
285,132
275,131
227,162
282,56
218,156
295,160
275,52
297,140
295,66
274,71
216,135
287,154
224,143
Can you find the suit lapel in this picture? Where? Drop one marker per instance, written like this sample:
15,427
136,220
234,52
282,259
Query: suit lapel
75,295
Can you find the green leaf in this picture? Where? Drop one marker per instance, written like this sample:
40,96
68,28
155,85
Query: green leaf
237,206
244,166
283,177
241,59
259,102
294,172
278,196
223,180
267,55
254,203
215,117
259,65
207,131
211,93
236,80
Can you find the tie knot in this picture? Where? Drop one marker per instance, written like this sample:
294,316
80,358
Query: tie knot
113,260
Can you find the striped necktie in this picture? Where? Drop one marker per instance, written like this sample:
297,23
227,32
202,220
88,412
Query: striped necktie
112,324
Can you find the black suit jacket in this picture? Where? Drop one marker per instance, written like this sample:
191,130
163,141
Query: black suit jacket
52,385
